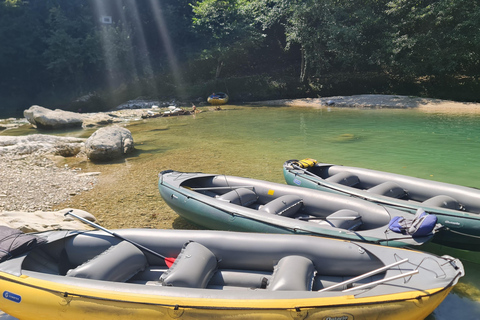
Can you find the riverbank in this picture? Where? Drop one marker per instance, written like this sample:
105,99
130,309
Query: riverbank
378,101
33,183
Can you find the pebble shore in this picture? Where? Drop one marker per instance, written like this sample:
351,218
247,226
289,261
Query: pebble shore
31,183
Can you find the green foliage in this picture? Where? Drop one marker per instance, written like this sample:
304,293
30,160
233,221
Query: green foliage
72,46
228,29
435,37
332,34
53,51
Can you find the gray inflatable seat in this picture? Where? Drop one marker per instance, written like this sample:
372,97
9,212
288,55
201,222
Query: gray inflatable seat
119,263
345,178
389,189
239,278
193,268
287,205
240,196
292,273
345,219
443,201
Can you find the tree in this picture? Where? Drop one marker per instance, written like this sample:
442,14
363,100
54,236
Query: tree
72,51
228,28
331,34
20,52
435,37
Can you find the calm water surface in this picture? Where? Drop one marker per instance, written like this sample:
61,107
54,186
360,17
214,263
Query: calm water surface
255,141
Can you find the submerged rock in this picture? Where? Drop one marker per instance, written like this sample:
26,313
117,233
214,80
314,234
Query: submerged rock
48,119
109,143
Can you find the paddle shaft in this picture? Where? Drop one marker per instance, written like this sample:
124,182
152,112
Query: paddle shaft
114,234
304,170
371,284
219,188
363,276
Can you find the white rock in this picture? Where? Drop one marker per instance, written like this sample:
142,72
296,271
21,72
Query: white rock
66,146
89,174
109,143
98,119
42,221
44,118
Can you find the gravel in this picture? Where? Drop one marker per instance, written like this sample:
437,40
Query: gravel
34,183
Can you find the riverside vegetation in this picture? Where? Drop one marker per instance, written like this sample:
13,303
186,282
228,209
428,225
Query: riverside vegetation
67,55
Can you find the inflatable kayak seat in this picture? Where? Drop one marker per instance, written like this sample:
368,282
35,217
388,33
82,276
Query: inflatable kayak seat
232,278
119,263
345,178
388,189
241,196
292,273
287,206
345,219
193,268
443,201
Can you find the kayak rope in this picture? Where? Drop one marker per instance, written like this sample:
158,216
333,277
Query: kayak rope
463,234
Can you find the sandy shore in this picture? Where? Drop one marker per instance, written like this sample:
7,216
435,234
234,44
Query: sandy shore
378,101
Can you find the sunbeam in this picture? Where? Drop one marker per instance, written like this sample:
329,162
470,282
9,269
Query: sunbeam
163,31
125,49
107,43
141,62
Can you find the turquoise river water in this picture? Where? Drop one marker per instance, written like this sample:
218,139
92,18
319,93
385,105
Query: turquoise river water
255,141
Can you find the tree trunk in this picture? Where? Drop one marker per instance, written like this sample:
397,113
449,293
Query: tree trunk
303,66
219,68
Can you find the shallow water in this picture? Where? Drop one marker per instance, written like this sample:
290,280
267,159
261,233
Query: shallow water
255,141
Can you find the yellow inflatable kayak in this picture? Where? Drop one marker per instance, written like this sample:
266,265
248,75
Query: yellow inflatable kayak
218,98
217,274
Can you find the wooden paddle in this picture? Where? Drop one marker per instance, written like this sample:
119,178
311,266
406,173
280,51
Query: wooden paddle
168,261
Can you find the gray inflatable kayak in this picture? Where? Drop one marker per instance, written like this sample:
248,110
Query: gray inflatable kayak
456,207
242,204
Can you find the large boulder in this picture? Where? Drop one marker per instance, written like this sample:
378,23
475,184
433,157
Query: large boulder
48,119
109,143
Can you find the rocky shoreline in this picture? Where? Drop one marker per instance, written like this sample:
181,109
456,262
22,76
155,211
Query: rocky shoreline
35,183
31,185
31,180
